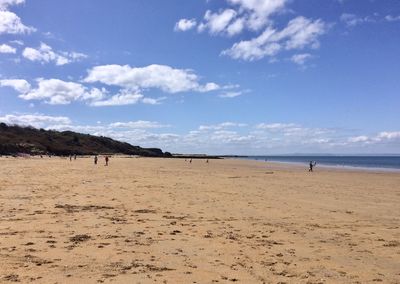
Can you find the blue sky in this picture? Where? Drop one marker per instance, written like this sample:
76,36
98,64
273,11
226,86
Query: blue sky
207,76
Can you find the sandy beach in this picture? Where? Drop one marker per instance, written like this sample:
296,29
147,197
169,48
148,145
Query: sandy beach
144,220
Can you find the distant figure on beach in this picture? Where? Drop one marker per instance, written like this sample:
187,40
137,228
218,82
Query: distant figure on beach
190,161
106,158
70,158
75,157
312,165
207,161
95,160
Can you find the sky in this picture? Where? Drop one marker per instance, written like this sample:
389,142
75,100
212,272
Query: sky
245,77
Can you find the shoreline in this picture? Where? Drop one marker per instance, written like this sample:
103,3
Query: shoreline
325,166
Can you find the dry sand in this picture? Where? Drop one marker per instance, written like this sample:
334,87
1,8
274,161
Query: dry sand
165,220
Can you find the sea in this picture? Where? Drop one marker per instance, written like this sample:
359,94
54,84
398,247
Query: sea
361,162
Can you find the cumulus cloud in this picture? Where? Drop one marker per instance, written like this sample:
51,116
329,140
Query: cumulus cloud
5,48
243,14
4,4
395,135
255,16
10,23
20,85
256,13
125,97
35,120
298,34
132,82
357,139
185,25
45,54
382,137
54,91
217,22
161,77
221,138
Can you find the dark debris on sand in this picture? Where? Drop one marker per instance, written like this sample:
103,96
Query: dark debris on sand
77,208
80,238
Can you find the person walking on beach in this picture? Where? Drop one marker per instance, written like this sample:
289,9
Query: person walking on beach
70,158
312,165
106,158
95,160
190,161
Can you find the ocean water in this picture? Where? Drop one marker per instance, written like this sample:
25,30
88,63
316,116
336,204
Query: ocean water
371,162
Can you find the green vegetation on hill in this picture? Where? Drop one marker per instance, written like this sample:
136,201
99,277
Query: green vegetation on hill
16,139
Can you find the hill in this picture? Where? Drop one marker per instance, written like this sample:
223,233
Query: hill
17,139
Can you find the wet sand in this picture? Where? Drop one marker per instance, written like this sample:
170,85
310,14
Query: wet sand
144,220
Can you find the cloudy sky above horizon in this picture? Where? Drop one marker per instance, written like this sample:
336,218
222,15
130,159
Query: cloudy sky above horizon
207,76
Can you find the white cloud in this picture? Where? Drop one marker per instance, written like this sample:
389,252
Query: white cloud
230,95
5,48
10,23
162,77
358,139
20,85
55,91
391,18
132,82
185,25
95,94
208,87
300,59
256,15
153,101
275,126
221,126
35,120
125,97
4,4
221,138
217,22
18,42
389,135
138,124
257,12
298,34
45,54
245,14
352,20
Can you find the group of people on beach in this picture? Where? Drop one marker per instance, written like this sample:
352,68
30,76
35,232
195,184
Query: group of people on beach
106,160
95,160
190,161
